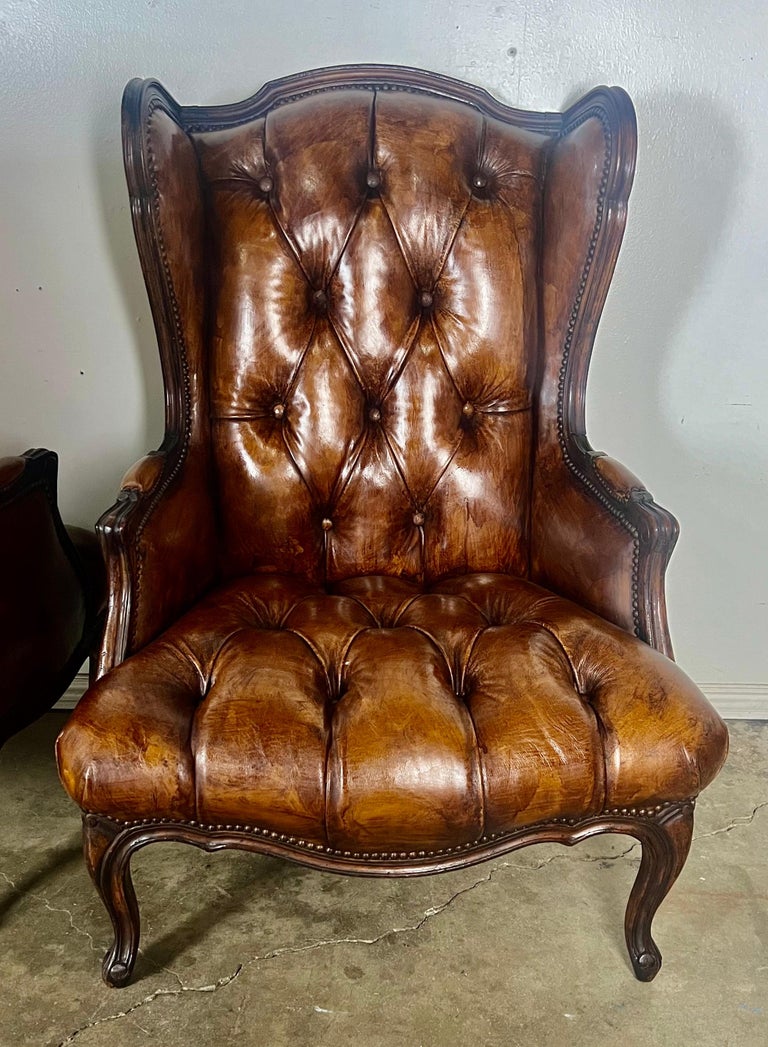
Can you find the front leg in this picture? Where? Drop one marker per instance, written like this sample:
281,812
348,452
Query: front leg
666,841
109,866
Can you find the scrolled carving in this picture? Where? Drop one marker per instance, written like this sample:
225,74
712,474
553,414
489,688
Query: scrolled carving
664,832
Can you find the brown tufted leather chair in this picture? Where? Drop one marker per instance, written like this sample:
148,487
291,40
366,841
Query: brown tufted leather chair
51,591
375,604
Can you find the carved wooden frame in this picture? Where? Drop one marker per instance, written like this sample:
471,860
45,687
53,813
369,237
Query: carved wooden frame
664,832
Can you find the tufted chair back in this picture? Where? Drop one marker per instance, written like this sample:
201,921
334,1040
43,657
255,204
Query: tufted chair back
373,305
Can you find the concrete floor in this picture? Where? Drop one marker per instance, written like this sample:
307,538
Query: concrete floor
526,951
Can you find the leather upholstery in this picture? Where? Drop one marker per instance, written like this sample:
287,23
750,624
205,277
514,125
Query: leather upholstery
370,379
375,309
51,586
374,714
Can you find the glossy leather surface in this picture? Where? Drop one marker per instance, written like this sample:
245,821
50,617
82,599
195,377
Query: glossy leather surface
51,585
370,378
375,308
373,714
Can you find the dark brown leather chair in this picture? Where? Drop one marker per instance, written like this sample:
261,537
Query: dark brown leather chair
375,604
51,591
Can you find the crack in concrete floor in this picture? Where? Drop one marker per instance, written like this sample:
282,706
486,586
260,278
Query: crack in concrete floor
735,823
227,979
52,908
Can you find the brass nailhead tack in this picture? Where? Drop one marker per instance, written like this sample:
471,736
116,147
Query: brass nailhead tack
468,410
480,181
266,185
278,410
374,414
327,524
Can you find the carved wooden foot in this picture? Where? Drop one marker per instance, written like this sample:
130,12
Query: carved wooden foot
666,842
109,866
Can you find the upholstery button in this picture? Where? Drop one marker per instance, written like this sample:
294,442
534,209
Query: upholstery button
320,298
278,410
426,299
327,524
480,180
266,185
373,179
418,519
374,414
468,409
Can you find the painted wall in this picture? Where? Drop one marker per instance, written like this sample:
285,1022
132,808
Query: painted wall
679,387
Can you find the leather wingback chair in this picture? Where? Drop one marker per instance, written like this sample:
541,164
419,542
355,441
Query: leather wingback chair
51,591
375,605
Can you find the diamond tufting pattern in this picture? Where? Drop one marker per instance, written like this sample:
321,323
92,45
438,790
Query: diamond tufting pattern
374,337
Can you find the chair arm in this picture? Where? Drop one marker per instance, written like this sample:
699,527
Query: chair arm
600,539
144,475
620,481
159,549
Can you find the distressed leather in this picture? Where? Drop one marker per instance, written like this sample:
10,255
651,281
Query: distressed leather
373,336
374,714
334,627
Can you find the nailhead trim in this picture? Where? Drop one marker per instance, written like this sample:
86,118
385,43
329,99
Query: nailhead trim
384,856
594,112
278,103
154,203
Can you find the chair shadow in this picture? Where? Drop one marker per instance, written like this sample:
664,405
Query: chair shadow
54,862
234,895
609,905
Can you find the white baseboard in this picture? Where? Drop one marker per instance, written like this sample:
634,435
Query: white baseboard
738,701
73,693
734,701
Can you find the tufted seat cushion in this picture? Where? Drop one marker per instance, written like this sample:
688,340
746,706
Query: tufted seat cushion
374,713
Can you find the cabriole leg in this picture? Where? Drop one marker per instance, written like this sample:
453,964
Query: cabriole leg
109,866
665,842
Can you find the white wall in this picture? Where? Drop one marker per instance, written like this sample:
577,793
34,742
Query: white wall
679,387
